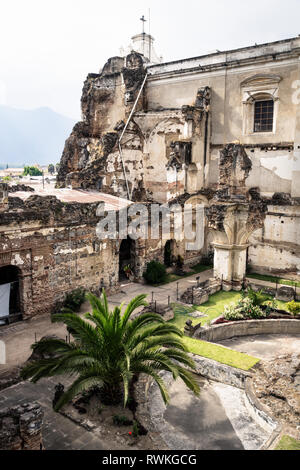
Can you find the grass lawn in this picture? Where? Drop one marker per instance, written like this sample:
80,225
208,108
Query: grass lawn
198,268
213,308
219,353
288,443
274,279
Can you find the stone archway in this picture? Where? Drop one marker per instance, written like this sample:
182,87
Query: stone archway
10,281
170,253
126,258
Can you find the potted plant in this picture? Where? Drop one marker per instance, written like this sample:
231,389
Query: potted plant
128,271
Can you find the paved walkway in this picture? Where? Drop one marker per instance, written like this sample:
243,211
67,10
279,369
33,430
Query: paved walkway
216,420
19,337
59,433
264,346
161,293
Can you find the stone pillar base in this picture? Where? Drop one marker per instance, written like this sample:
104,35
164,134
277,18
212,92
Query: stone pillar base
237,285
226,286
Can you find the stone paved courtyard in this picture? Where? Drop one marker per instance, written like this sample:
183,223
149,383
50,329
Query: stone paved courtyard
59,433
18,337
218,419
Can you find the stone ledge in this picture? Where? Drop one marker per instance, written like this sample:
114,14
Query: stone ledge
220,372
248,327
261,415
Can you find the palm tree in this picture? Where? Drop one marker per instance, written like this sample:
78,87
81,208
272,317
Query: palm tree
110,349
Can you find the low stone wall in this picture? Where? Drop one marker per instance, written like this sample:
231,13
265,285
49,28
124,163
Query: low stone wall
259,412
199,295
222,331
261,415
283,292
220,372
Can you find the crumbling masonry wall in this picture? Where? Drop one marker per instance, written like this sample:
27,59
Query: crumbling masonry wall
56,249
21,427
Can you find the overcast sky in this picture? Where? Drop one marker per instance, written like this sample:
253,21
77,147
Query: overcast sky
49,46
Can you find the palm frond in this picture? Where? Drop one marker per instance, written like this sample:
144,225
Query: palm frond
136,302
80,385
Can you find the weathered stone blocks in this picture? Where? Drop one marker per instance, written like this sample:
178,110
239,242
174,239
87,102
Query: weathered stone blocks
21,427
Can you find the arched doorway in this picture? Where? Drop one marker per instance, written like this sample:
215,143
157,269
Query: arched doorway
168,253
10,302
126,258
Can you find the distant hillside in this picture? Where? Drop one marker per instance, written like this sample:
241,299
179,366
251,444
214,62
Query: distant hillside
32,136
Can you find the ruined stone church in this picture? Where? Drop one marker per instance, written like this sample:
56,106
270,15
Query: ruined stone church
221,130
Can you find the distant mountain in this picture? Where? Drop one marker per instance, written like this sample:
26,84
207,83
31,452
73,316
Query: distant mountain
32,136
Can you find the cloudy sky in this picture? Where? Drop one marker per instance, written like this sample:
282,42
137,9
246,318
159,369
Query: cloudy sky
49,46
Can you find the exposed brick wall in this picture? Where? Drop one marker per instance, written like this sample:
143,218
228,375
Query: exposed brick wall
21,427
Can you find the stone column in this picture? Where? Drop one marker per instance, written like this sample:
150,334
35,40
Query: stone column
230,265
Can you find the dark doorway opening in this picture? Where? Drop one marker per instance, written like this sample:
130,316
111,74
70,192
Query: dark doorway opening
169,253
126,259
11,275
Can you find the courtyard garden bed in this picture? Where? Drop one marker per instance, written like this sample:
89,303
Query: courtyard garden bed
224,307
116,425
210,310
258,306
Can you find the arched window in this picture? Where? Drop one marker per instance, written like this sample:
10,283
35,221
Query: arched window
260,103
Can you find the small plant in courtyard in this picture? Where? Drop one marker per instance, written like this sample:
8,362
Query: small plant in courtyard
74,300
293,307
110,349
121,420
155,272
270,306
128,271
135,429
257,297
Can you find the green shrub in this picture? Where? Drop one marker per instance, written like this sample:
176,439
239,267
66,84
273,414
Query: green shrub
121,420
270,305
232,312
258,298
135,429
245,308
293,307
155,272
74,300
32,171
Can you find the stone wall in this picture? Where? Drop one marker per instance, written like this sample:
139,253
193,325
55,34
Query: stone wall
220,372
223,331
21,427
56,250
